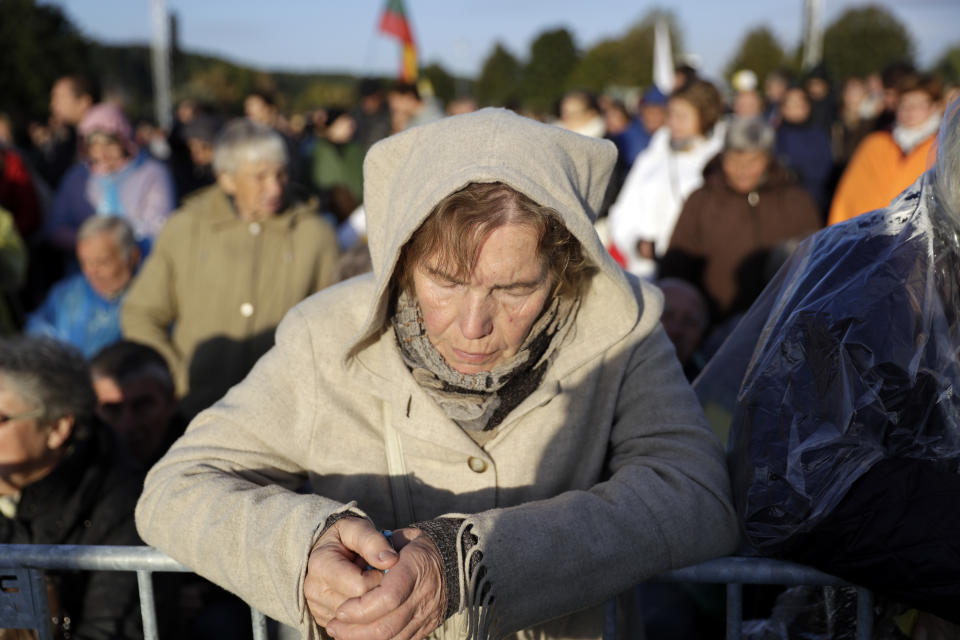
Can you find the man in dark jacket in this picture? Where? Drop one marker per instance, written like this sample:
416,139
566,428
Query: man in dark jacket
62,482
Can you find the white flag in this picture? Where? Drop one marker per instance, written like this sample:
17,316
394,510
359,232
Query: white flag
662,58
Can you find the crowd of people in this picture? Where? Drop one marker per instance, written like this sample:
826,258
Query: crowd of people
144,275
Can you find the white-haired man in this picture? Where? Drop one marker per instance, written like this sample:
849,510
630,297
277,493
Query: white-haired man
84,309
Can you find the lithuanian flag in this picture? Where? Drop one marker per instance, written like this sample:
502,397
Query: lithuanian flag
395,23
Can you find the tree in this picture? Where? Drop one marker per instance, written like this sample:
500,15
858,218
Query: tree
948,67
553,56
38,44
499,81
863,41
626,61
759,52
444,84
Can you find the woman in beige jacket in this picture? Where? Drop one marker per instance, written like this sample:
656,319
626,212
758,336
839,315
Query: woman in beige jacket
523,411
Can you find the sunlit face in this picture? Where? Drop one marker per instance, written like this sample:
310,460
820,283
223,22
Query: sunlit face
796,107
653,116
104,264
682,119
105,154
27,447
65,106
744,170
748,104
257,188
914,108
478,324
139,410
257,110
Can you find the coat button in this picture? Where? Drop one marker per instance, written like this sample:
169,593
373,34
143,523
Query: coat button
477,465
255,228
246,309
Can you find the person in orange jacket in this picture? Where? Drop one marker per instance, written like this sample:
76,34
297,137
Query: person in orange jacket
887,162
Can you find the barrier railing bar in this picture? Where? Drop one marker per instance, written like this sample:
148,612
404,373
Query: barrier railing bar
148,607
732,571
259,622
864,613
734,610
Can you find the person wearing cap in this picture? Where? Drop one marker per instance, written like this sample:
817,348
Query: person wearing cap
114,178
747,206
497,393
233,260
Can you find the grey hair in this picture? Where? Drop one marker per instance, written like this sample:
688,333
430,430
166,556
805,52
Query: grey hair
116,226
243,141
947,186
52,376
749,134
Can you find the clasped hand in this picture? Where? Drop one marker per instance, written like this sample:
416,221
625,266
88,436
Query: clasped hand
356,603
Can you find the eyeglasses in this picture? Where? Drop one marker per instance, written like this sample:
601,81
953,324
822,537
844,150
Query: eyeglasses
35,413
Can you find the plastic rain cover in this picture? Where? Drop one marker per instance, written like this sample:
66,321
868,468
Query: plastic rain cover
850,356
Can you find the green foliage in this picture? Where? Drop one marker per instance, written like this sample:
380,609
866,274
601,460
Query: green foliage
948,66
864,41
553,56
500,78
444,84
37,45
626,61
760,52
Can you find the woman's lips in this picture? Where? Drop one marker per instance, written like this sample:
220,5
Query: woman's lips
467,356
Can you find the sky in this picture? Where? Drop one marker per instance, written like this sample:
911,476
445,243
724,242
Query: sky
341,35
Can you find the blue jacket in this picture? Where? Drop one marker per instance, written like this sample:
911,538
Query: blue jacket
75,313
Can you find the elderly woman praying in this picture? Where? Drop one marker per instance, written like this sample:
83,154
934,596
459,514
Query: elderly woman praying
498,393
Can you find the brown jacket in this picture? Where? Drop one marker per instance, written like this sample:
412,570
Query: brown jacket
215,287
723,238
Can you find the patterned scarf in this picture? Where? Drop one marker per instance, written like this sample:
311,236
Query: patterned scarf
479,402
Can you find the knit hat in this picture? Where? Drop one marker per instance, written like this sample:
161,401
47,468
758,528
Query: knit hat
106,118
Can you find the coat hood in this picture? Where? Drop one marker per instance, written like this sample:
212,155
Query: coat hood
407,174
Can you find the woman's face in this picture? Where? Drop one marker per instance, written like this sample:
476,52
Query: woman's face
744,170
682,119
914,108
106,154
478,324
26,446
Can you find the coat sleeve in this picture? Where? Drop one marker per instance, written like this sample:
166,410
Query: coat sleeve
665,505
223,500
150,308
328,255
856,180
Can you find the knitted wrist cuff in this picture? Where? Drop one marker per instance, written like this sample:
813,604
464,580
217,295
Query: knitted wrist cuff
443,533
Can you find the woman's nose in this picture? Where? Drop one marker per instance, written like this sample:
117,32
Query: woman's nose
475,318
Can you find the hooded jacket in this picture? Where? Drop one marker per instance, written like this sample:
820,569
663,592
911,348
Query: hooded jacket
606,474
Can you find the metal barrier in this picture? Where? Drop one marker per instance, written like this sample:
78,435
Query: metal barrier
23,596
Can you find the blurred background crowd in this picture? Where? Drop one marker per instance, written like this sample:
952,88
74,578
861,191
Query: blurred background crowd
158,260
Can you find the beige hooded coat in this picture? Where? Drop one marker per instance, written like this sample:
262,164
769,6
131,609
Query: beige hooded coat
605,475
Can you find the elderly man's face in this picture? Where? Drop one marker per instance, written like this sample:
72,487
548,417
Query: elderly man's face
27,447
478,324
104,264
257,188
138,409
